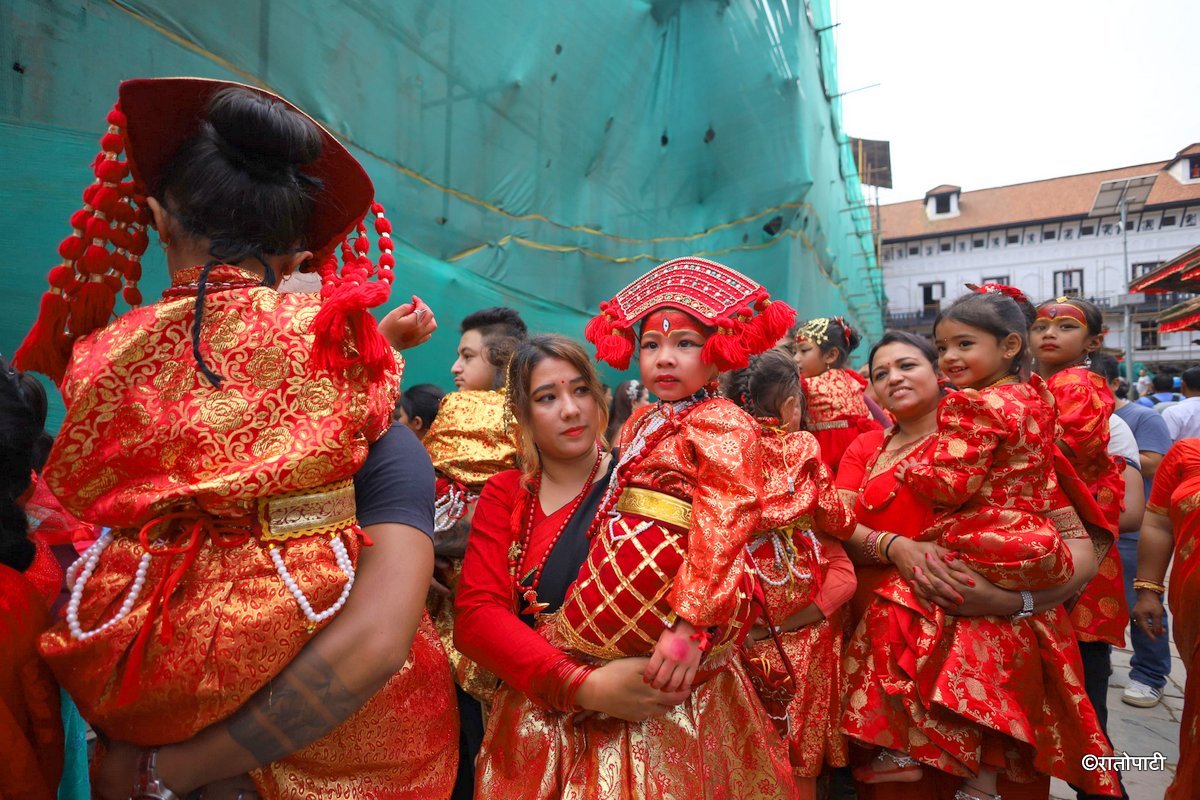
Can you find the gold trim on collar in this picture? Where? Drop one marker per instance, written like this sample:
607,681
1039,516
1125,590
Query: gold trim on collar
308,512
656,506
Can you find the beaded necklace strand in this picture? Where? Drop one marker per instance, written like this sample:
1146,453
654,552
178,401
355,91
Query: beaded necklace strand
516,555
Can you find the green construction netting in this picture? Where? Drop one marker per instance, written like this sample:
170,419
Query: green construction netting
530,153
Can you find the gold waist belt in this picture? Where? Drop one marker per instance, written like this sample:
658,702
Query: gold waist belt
655,505
308,512
829,426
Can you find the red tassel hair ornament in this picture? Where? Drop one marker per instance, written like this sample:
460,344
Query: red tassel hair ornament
100,259
746,320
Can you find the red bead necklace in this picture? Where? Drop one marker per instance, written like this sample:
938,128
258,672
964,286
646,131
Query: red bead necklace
516,554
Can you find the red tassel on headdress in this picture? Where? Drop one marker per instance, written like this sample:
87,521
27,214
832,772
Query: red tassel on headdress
774,319
349,298
611,336
85,286
726,349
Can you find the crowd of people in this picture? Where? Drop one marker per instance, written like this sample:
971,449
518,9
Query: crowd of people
257,568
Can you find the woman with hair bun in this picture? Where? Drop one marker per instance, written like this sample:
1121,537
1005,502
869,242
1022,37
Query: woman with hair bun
232,440
837,408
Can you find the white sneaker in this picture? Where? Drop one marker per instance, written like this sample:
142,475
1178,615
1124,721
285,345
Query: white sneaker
1140,695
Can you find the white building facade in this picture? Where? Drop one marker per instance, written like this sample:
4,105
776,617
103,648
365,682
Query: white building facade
1038,237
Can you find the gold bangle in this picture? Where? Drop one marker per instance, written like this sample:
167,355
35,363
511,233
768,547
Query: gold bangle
1153,586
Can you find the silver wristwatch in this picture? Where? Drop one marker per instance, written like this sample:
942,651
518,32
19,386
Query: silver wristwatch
1026,606
146,783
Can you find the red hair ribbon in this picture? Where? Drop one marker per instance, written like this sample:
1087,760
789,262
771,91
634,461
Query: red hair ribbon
1000,288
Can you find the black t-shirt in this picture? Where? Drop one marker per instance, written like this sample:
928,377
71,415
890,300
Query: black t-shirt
396,484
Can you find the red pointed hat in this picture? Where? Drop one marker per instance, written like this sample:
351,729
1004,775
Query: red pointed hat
101,259
747,321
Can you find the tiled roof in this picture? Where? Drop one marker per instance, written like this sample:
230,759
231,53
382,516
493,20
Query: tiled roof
1180,274
945,188
1023,203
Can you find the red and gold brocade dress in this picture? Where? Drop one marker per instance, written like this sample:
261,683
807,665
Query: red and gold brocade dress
836,411
471,439
796,558
958,693
1084,404
181,611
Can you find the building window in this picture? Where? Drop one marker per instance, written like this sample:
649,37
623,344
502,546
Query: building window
1167,221
928,249
932,294
1147,225
1031,237
1138,270
978,242
945,247
941,204
1189,220
962,246
1047,235
1001,279
1194,168
1068,233
1087,230
1068,282
995,241
914,250
1148,335
1107,228
1014,238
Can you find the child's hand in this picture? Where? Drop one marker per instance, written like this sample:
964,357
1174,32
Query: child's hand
904,466
408,325
676,658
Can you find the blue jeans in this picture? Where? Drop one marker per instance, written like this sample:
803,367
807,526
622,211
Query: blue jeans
1151,661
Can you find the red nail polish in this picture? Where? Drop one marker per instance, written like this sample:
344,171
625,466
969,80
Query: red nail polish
948,558
970,581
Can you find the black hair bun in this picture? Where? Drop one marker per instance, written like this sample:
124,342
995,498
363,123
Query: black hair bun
853,337
262,129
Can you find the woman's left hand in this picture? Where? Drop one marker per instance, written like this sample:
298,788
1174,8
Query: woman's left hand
113,778
408,325
960,590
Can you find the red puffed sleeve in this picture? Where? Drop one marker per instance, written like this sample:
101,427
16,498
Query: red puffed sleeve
487,629
840,581
721,440
1084,404
833,515
968,431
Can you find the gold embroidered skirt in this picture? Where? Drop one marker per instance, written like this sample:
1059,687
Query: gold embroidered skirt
717,745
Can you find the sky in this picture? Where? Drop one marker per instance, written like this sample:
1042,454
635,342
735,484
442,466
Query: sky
980,94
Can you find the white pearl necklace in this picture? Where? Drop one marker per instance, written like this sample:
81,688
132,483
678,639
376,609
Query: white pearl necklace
343,560
81,571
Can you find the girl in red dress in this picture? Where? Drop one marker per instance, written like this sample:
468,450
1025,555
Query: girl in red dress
562,724
1065,332
973,696
837,410
804,573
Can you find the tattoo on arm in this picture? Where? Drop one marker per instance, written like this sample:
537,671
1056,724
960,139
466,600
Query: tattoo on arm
299,706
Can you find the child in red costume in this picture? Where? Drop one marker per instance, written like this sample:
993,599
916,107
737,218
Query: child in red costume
666,572
804,573
1064,333
974,696
837,410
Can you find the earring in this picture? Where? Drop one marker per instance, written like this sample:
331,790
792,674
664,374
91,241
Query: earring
164,243
1087,361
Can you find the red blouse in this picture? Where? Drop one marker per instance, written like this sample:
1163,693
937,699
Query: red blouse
487,629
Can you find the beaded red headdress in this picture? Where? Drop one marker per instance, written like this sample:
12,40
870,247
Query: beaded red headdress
747,321
150,122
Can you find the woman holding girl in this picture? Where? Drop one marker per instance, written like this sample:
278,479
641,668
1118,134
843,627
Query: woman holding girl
803,571
669,559
836,407
216,433
964,695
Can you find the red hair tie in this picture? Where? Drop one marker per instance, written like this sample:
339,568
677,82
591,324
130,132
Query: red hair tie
999,288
